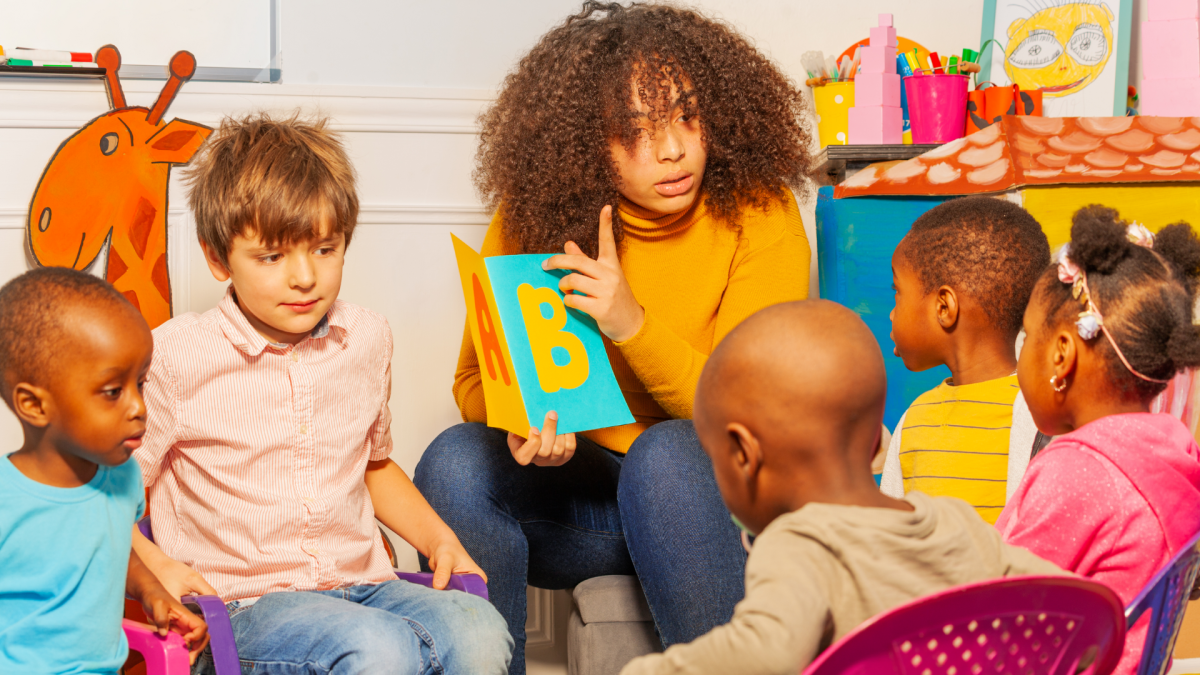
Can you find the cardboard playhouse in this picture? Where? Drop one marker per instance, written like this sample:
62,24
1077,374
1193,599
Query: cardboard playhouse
1148,168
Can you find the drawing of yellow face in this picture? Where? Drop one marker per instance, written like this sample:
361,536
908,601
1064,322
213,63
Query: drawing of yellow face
1059,50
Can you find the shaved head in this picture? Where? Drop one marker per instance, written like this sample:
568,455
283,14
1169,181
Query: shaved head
39,314
807,378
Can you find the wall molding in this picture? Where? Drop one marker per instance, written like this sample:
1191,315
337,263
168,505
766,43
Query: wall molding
370,214
539,622
42,104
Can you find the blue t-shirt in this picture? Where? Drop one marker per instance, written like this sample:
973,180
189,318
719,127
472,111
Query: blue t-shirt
64,555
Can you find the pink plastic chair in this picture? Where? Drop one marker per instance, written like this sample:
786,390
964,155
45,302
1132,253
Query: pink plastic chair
1017,626
1166,597
163,655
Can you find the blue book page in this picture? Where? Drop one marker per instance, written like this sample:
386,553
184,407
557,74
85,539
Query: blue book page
557,352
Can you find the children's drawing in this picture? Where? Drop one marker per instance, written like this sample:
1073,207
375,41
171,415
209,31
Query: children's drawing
535,355
101,203
1075,51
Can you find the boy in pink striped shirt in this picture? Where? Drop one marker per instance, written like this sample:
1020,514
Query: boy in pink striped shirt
268,434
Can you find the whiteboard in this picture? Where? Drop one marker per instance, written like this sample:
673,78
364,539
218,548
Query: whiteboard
231,39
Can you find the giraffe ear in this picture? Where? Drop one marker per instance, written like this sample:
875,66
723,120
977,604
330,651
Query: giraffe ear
177,141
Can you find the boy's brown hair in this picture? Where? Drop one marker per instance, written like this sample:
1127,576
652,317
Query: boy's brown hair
277,179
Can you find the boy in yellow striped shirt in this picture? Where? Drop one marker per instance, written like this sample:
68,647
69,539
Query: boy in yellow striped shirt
963,276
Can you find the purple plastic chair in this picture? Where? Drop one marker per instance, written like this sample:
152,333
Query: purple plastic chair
1166,597
1018,625
220,631
163,655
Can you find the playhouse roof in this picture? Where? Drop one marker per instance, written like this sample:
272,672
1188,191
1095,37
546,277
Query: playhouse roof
1021,151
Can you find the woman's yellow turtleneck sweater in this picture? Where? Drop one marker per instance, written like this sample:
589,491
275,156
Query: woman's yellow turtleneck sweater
697,278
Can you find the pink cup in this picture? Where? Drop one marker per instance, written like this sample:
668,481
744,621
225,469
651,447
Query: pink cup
937,107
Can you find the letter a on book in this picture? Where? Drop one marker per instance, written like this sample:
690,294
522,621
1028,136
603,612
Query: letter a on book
535,355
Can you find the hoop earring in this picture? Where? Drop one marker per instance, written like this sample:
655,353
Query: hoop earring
1055,383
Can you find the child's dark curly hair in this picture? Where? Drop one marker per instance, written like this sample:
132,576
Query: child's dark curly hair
1145,295
544,155
985,247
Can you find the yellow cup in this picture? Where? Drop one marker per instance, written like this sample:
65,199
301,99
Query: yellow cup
833,102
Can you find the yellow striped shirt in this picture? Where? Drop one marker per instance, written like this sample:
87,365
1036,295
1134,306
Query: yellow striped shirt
955,441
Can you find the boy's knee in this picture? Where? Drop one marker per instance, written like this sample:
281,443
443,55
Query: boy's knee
481,642
375,644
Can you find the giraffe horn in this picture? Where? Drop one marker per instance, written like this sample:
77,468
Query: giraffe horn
108,58
183,66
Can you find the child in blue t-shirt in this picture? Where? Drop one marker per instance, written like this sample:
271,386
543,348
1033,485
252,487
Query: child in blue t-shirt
73,356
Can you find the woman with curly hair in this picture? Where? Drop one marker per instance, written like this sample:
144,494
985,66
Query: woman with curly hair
684,143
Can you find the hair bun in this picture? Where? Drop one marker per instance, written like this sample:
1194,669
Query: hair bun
1177,243
1098,241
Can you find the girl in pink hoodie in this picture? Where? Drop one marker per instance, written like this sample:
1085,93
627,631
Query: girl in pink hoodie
1117,494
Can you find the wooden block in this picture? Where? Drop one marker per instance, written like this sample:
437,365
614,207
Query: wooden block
1168,10
876,125
878,59
883,36
877,89
1171,49
1174,97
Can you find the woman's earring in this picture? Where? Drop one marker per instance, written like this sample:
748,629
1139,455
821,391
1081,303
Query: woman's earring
1059,385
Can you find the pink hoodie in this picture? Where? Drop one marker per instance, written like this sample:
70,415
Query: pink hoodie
1112,501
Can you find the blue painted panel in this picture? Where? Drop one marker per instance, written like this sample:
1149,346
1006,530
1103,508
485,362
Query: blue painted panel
855,241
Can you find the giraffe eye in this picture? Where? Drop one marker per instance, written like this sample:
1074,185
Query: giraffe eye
108,143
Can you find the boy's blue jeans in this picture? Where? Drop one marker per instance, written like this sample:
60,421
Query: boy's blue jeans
393,627
654,512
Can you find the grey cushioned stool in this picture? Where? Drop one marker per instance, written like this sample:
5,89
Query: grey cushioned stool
610,625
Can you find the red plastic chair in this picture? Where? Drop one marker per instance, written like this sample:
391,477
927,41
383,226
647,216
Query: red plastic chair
1018,626
162,655
1166,597
220,631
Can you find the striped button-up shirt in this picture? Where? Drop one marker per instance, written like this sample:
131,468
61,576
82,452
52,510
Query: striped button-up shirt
255,452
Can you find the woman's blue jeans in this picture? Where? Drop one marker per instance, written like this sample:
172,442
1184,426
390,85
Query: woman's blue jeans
654,512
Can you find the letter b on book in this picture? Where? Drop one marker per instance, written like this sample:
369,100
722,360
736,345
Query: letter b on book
519,325
546,334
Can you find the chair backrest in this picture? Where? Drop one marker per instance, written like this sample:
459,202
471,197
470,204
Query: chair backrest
1166,597
1034,625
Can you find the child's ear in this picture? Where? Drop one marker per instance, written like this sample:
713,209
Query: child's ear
218,269
30,403
946,302
748,452
1065,355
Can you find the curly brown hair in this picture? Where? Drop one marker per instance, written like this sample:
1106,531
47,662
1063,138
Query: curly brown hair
544,157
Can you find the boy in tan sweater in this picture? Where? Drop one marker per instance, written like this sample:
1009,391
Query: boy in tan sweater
789,408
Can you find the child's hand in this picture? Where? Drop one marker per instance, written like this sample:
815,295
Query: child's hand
166,613
181,580
449,557
545,448
608,298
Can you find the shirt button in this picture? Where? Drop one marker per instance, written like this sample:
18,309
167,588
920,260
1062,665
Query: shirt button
303,429
295,357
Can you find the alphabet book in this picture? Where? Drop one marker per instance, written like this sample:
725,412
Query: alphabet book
535,354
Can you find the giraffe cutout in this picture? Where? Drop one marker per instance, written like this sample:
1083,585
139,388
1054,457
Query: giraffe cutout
103,195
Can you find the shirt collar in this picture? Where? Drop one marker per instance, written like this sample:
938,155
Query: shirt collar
242,335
